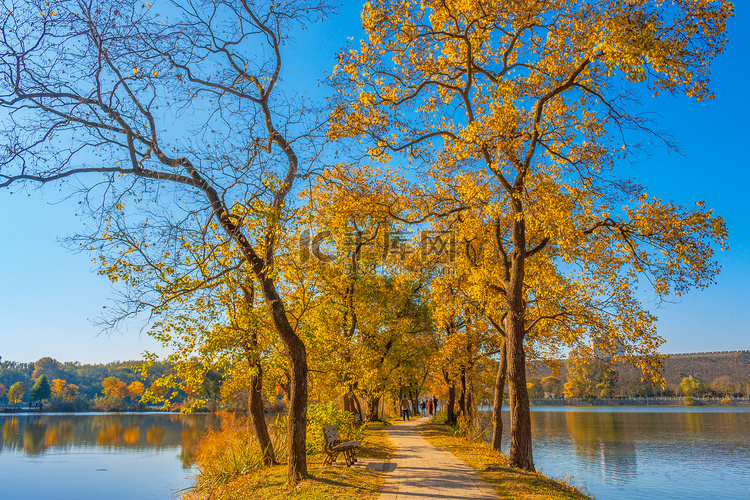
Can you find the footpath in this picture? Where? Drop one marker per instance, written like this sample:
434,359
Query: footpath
419,470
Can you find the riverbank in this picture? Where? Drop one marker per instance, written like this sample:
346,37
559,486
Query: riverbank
37,411
652,401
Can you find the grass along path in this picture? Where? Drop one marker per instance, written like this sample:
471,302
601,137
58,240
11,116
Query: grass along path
506,481
364,481
335,482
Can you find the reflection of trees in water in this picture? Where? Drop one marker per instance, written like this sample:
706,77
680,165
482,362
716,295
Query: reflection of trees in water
110,435
155,435
37,433
614,442
11,432
189,438
131,434
603,439
33,436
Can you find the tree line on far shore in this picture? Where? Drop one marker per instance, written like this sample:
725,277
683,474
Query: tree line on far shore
72,386
591,377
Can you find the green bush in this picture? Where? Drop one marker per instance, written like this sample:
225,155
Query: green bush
322,415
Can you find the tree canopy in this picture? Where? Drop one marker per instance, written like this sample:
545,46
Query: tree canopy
494,129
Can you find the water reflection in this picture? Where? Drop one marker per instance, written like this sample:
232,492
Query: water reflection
37,434
666,453
603,439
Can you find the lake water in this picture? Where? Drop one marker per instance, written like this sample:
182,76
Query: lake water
112,456
615,453
660,452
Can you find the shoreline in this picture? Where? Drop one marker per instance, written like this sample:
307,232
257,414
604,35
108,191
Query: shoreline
673,401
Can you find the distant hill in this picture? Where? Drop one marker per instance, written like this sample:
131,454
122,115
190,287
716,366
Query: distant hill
705,366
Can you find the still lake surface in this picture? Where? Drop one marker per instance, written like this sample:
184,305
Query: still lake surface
646,452
615,453
97,456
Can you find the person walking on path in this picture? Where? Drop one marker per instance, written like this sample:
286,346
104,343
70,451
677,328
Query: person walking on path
430,407
405,409
423,471
421,408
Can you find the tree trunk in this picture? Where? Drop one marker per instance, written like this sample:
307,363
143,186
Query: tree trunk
349,398
371,411
414,403
466,401
497,407
297,431
520,454
462,395
450,405
258,418
351,404
296,354
255,393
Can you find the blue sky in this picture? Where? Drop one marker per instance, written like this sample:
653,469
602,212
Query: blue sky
48,295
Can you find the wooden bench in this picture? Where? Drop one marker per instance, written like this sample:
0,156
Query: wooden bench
333,446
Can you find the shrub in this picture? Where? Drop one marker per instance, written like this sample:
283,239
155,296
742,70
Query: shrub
322,415
66,405
109,403
232,451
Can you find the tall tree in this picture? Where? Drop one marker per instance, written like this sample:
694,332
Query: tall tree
143,108
16,392
370,320
41,390
527,98
47,366
115,388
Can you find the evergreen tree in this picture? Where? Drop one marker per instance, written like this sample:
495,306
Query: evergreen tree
41,390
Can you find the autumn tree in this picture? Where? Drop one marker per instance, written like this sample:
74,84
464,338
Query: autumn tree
219,337
16,392
135,390
3,391
552,386
608,378
168,120
467,339
47,366
693,387
724,386
368,315
212,321
582,374
527,100
58,386
70,392
535,388
112,387
642,388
